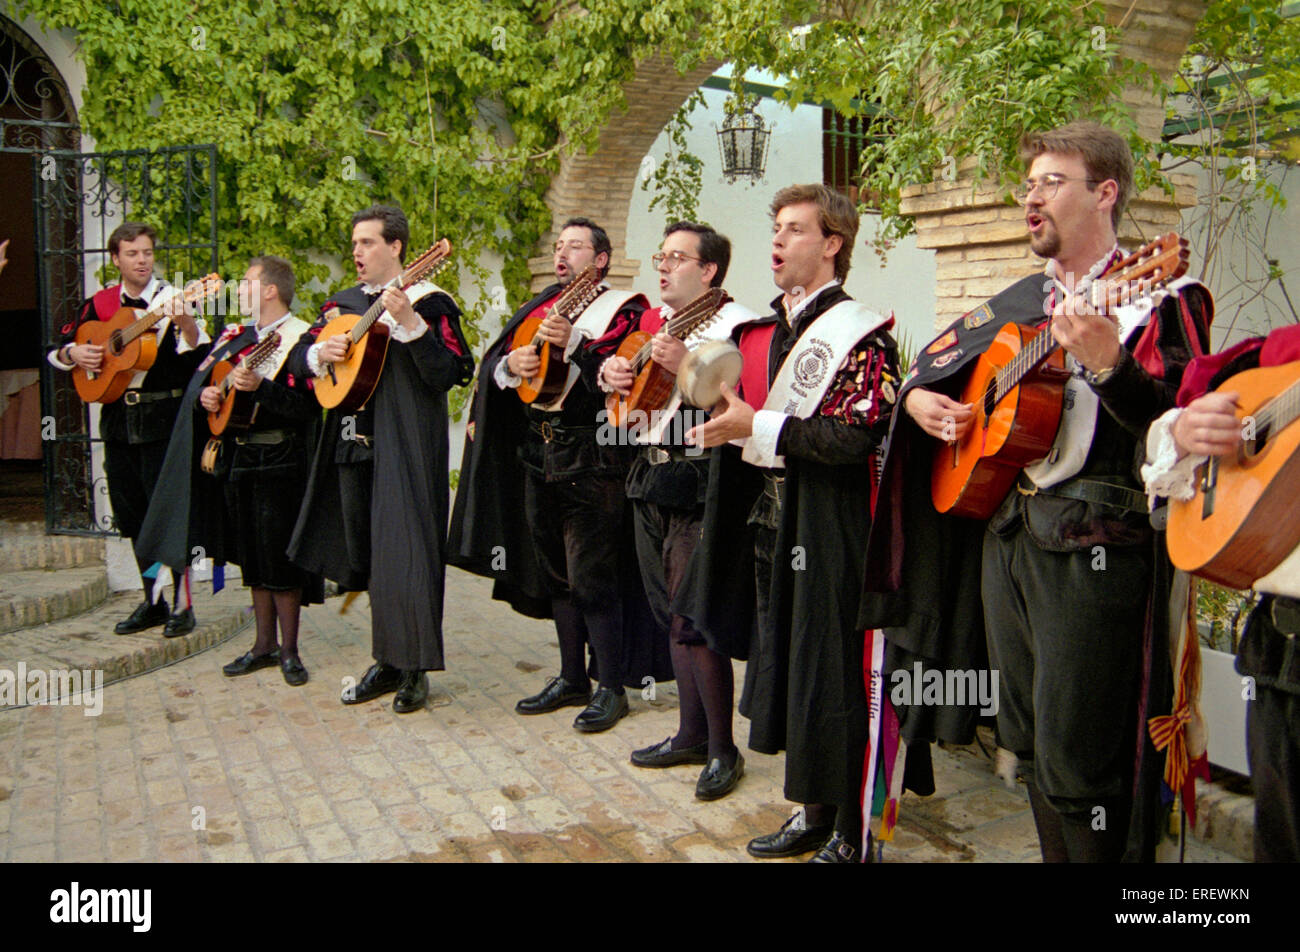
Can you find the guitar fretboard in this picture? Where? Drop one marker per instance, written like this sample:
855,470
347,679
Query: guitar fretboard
698,313
1278,413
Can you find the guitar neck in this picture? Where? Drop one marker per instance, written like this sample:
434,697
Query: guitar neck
144,324
1279,413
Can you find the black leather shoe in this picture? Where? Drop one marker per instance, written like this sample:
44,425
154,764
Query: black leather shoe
605,710
792,839
144,616
836,850
379,679
558,693
181,623
663,755
295,673
248,662
717,779
412,693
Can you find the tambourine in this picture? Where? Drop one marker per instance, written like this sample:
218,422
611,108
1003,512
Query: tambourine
705,369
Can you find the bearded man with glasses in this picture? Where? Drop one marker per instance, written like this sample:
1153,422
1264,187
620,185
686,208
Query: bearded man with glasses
1068,578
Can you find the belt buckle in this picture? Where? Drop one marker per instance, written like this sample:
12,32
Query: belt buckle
131,397
658,456
1032,490
1287,620
548,432
363,439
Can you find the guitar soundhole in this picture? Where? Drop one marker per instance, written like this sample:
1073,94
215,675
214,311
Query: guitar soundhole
990,400
115,343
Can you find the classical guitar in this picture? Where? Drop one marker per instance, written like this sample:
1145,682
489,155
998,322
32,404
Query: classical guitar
1243,520
238,407
128,344
548,383
348,383
1016,390
654,385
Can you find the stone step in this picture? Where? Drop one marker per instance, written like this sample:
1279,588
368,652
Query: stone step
25,546
87,642
39,596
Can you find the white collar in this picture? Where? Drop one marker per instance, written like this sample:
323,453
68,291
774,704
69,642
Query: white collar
1093,272
264,332
380,288
808,299
147,295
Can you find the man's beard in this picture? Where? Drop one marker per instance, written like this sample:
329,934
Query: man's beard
1047,243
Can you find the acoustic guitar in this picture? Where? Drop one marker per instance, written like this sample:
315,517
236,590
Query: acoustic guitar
1016,390
548,383
128,344
654,385
238,407
1243,520
349,383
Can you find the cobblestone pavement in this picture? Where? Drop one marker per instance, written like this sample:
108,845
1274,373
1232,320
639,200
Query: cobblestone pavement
185,764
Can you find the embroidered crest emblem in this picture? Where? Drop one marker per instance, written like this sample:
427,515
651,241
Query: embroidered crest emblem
978,317
812,364
946,359
942,342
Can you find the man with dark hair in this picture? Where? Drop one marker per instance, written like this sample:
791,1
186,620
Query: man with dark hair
814,403
572,559
1071,573
375,509
136,428
667,484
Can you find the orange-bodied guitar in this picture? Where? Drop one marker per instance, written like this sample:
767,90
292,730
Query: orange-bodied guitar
1016,390
128,344
1243,520
237,406
348,383
654,385
548,383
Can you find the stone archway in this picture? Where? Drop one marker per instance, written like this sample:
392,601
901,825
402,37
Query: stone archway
979,242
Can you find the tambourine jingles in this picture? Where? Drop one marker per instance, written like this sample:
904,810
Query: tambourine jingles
704,369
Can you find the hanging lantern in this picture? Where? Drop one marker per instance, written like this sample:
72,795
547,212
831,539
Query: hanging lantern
742,142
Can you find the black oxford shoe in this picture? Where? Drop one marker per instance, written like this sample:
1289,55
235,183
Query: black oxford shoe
558,693
605,710
792,839
412,693
248,662
379,679
294,671
835,850
145,616
181,623
717,779
663,755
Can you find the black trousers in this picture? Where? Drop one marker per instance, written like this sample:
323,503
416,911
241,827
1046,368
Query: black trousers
132,472
1272,657
1065,638
665,539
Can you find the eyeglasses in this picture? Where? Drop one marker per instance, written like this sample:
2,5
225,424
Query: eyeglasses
1046,186
571,246
673,258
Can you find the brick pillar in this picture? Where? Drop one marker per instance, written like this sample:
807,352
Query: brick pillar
599,185
980,241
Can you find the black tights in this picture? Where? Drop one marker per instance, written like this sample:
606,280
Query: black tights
705,690
268,607
602,629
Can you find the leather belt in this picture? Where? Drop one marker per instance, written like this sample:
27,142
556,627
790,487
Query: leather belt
263,437
554,432
364,439
1087,490
657,455
132,397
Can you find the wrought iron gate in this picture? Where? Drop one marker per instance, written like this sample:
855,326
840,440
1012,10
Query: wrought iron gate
80,197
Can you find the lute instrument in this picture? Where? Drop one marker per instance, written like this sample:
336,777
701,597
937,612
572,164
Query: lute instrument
129,346
548,383
654,384
1017,390
238,407
349,383
1243,520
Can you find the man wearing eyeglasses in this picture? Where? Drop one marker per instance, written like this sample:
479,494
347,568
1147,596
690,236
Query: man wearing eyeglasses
667,485
1071,573
540,508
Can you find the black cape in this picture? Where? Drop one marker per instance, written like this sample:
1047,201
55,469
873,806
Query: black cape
187,506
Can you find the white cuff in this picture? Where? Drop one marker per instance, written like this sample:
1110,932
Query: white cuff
314,363
576,339
182,345
403,336
53,357
761,450
1163,472
503,377
600,375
